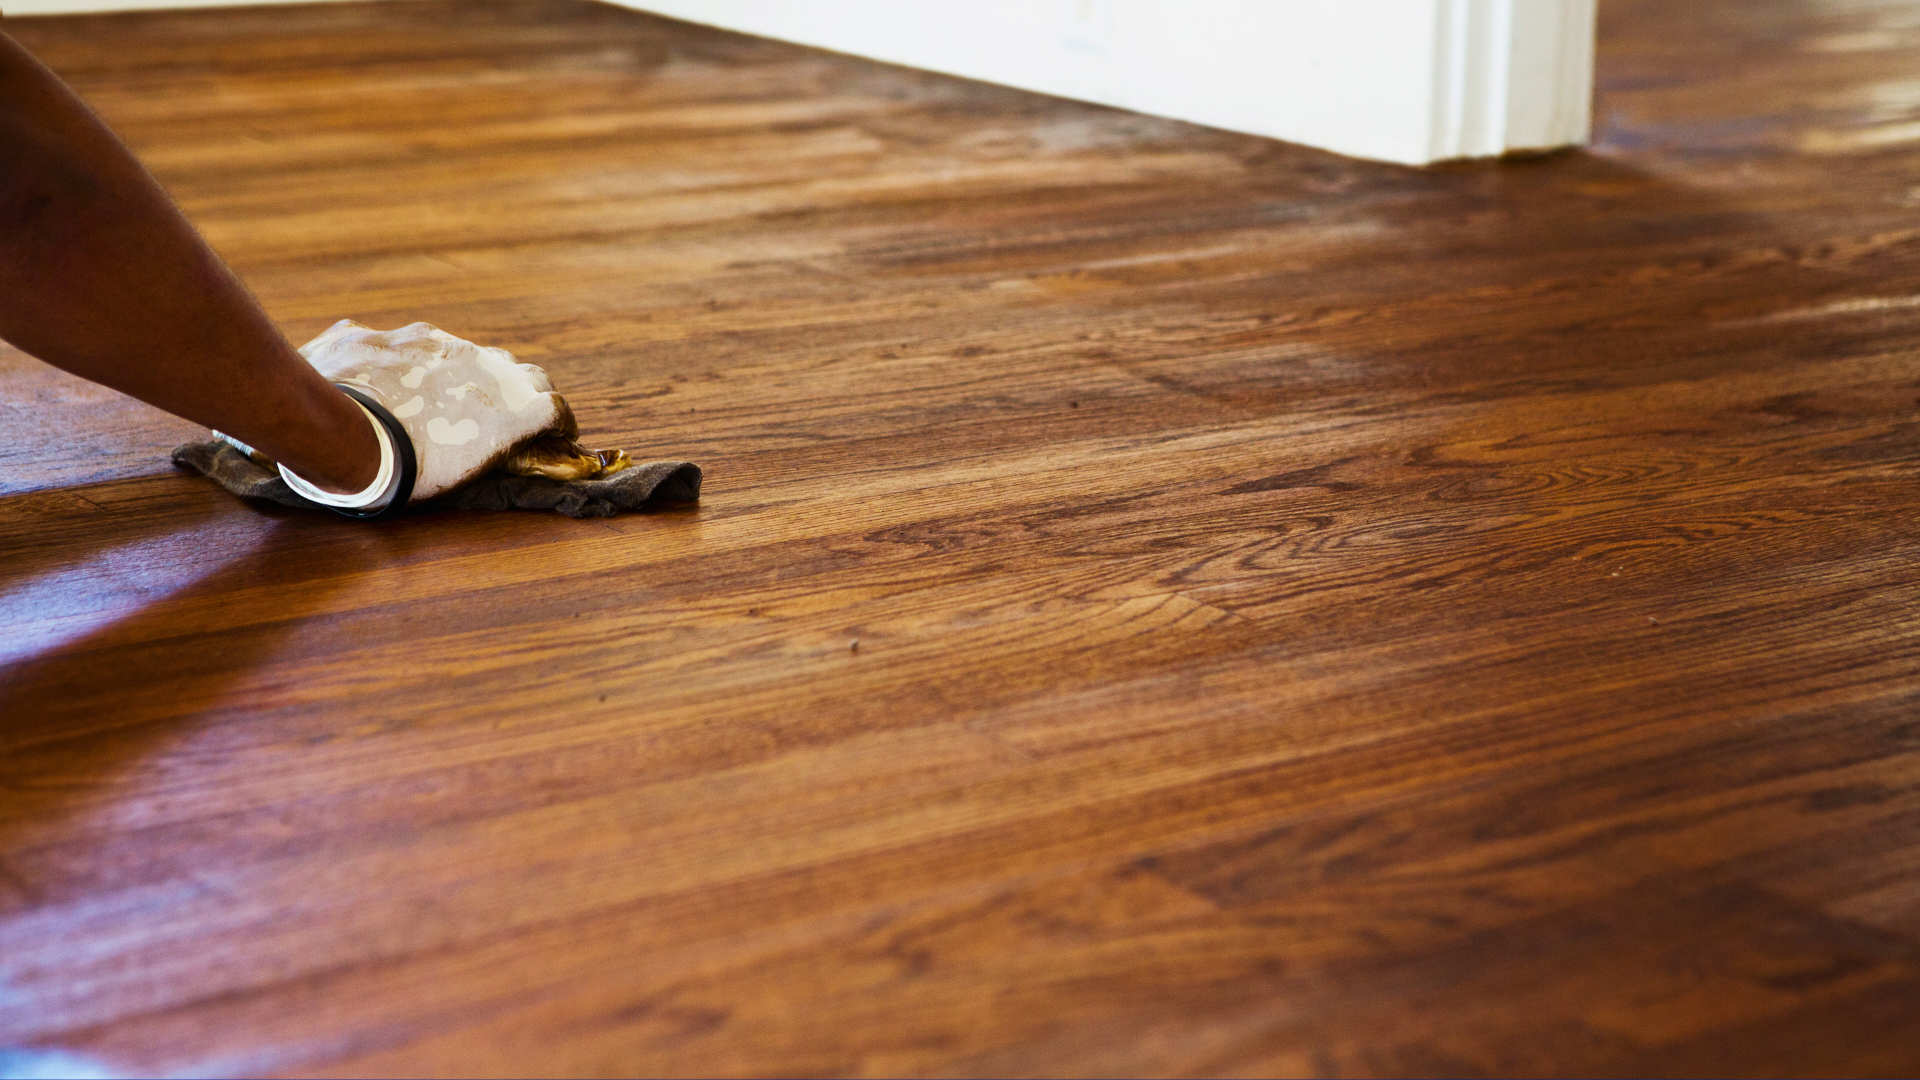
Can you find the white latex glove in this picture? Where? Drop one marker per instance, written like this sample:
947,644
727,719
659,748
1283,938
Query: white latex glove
464,407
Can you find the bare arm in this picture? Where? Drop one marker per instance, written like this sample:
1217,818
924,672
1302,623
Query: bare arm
102,276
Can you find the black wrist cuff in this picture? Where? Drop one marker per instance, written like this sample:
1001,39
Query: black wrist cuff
403,462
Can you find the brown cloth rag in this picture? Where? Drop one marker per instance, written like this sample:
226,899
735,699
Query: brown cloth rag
628,489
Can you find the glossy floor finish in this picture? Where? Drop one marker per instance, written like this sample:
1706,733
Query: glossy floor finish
1164,601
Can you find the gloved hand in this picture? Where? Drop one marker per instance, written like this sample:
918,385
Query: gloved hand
488,433
637,487
465,408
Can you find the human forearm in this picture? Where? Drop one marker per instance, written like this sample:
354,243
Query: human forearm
102,276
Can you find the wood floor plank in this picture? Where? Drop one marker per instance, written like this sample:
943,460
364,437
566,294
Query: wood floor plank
1163,601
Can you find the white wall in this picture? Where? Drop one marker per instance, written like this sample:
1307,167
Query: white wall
1349,75
1399,80
1411,81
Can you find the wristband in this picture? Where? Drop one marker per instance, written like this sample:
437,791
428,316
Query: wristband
392,485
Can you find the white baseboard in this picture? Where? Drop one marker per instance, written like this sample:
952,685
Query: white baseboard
1411,81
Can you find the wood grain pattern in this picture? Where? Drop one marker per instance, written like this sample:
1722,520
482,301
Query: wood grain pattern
1312,616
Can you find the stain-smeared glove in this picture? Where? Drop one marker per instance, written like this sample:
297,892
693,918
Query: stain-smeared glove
465,407
468,412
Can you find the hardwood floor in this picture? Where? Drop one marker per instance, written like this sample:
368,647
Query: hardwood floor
1312,616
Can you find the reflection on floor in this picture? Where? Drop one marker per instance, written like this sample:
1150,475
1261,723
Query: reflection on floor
1312,616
